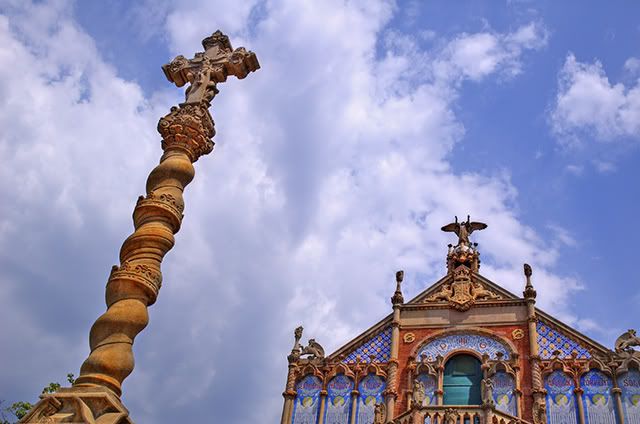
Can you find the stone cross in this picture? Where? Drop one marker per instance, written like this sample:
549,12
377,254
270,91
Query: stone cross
210,67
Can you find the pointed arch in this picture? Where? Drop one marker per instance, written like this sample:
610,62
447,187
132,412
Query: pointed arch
307,401
629,383
339,392
370,389
597,397
561,405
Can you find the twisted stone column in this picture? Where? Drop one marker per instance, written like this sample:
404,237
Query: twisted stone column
133,285
290,389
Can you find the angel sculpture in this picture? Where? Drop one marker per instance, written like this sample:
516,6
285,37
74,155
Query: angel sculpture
625,342
464,229
486,388
419,392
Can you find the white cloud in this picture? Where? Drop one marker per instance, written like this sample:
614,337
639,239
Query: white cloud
331,171
574,169
475,56
588,104
632,65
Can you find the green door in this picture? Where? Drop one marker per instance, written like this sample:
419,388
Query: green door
462,376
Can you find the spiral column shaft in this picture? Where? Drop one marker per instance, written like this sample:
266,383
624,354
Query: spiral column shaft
133,286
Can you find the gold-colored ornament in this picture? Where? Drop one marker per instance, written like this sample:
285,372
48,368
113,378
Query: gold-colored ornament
517,334
409,338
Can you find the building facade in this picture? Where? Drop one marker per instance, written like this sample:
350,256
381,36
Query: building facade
465,350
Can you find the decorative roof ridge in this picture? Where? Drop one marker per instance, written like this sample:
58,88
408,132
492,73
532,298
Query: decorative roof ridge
356,341
572,331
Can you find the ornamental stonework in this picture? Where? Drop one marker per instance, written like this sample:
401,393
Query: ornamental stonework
463,292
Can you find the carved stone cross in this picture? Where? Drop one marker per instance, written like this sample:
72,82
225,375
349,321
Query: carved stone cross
210,67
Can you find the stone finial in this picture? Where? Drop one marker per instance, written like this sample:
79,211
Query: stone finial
397,298
296,350
529,291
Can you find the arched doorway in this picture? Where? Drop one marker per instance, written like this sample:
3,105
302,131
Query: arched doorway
462,377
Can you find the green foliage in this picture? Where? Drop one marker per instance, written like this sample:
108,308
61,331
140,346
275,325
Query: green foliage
20,409
51,388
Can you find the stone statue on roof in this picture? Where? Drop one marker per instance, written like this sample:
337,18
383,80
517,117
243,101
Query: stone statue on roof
464,229
626,341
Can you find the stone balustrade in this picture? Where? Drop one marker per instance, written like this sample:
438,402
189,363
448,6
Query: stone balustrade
450,414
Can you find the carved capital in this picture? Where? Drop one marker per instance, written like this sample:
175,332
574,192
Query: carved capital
188,128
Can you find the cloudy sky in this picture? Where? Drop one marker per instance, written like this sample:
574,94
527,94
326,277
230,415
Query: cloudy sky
370,125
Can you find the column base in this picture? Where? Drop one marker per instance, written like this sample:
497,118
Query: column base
79,405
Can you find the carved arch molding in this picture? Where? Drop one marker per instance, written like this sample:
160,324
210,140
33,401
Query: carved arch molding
446,343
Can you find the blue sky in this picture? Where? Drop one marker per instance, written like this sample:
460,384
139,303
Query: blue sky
368,127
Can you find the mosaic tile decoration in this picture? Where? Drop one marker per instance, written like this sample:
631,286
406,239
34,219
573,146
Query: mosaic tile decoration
630,384
596,398
430,387
378,345
307,402
503,392
550,339
561,405
338,410
449,342
370,388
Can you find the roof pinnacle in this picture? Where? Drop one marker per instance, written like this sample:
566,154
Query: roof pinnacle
529,291
397,298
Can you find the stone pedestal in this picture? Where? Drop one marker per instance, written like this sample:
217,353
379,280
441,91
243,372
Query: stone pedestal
87,405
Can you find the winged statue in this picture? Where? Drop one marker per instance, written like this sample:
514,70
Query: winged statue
464,229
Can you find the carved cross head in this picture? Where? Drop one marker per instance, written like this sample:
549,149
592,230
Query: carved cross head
209,68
